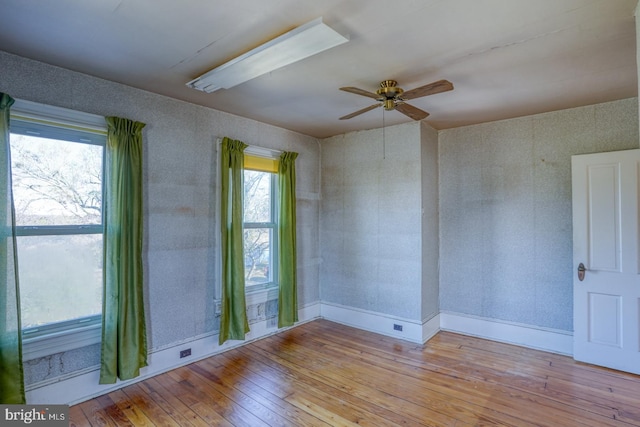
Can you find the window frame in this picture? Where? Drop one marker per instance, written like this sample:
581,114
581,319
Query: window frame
79,127
260,293
273,226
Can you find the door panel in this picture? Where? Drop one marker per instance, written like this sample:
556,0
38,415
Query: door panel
606,240
605,320
604,211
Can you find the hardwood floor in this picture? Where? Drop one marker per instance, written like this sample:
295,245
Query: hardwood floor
325,374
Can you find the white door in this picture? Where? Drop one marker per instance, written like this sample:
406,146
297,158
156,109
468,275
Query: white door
606,303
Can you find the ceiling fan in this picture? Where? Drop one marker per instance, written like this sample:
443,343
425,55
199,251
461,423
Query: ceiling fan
392,97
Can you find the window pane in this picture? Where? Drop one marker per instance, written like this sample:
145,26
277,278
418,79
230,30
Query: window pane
56,182
257,259
257,196
60,277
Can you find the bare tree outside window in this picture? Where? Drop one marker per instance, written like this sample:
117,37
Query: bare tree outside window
56,182
57,187
259,226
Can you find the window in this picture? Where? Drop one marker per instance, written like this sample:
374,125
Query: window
57,169
260,225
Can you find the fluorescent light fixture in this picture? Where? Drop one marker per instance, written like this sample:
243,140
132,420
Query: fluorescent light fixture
299,43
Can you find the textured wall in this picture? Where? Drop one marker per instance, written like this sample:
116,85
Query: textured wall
180,196
505,210
370,226
430,222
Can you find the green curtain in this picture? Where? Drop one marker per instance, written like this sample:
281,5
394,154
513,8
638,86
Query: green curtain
124,344
233,317
287,264
11,369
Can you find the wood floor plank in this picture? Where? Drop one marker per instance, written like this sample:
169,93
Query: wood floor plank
265,392
224,384
369,388
138,398
563,414
323,374
271,394
296,380
166,398
199,401
113,411
562,383
300,378
95,415
209,395
187,396
130,409
428,394
527,383
319,409
77,417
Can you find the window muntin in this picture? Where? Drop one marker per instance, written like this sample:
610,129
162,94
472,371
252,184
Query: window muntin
57,186
260,229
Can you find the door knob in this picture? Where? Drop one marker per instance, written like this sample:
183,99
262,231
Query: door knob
581,270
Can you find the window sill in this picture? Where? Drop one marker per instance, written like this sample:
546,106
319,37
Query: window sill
259,296
255,296
46,345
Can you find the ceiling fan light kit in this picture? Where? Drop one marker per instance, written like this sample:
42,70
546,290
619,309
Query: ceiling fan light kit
300,43
392,97
389,92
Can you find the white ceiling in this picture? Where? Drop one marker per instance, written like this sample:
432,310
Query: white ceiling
506,58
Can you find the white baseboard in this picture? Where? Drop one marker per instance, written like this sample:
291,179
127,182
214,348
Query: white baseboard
78,388
309,312
430,327
380,323
551,340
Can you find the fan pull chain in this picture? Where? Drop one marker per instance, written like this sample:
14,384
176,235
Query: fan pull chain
384,139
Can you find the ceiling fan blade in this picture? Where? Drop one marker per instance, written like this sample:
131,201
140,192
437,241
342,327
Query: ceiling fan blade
360,92
357,113
411,111
430,89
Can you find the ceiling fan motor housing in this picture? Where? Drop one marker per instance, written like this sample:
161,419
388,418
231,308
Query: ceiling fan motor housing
389,94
